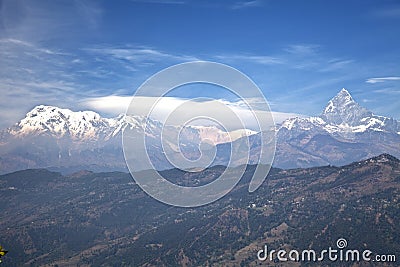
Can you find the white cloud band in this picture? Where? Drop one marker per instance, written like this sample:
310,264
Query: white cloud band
382,79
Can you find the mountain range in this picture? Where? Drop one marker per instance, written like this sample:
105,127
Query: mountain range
61,139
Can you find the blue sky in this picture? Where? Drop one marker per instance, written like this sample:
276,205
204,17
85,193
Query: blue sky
300,53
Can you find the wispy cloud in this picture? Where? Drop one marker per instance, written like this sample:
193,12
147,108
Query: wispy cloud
312,57
382,79
41,21
247,4
35,47
259,59
336,64
138,54
302,49
298,56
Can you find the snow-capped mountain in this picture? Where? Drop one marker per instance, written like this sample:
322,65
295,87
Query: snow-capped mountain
343,116
80,126
343,133
86,126
342,109
49,136
53,137
53,121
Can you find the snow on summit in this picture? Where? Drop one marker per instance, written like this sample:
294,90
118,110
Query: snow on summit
90,126
87,125
343,114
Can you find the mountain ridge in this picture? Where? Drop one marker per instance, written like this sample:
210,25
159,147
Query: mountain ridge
53,137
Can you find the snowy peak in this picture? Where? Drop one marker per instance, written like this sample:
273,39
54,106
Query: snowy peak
344,117
344,94
44,110
76,125
341,100
58,122
342,109
84,126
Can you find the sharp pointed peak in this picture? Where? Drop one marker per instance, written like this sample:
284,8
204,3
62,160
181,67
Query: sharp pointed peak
342,97
344,92
343,109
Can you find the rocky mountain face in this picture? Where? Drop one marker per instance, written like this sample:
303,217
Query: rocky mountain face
343,133
61,139
105,219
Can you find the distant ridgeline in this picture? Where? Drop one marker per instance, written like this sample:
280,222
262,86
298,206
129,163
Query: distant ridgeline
63,140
